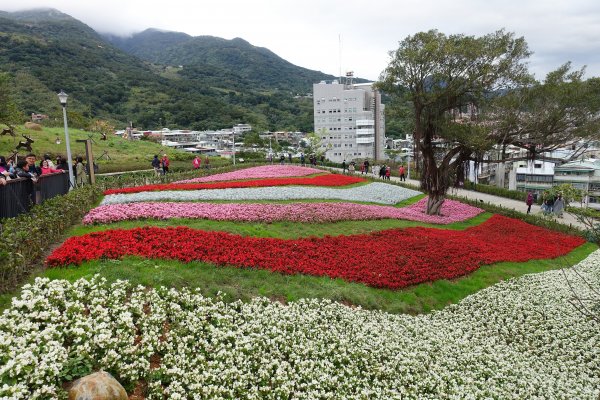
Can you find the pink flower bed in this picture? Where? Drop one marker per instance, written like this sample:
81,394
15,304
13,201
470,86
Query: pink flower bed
265,171
452,211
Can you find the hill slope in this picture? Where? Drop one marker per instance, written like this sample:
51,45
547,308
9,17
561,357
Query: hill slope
235,57
45,51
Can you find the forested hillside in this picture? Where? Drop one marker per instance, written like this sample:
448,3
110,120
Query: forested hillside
220,83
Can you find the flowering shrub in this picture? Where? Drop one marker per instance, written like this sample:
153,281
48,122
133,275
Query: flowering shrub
263,171
392,258
520,339
377,192
320,180
452,211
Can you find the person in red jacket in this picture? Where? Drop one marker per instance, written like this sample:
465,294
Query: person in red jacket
165,164
402,173
46,169
197,162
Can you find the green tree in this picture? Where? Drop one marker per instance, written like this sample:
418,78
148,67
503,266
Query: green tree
312,144
544,116
10,115
440,74
253,138
568,192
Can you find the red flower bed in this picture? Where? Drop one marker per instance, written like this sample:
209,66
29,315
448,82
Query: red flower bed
393,259
320,180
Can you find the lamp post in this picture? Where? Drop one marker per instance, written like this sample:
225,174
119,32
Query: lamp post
62,97
233,135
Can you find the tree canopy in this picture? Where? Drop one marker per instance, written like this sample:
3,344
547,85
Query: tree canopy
469,94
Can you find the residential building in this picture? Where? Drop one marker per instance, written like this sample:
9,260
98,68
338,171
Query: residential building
241,128
350,120
583,175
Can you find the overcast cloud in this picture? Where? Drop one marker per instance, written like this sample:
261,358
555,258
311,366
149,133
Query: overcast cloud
307,33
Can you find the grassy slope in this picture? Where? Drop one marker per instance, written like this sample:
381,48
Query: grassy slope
126,155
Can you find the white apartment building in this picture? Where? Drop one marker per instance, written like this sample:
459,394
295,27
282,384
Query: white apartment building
350,120
241,128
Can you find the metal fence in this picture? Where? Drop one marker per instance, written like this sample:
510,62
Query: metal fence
19,195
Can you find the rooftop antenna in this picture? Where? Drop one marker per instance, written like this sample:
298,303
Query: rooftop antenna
340,55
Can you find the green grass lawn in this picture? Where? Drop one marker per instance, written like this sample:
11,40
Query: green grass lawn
283,230
126,155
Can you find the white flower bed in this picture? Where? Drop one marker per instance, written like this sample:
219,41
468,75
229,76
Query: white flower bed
381,193
519,339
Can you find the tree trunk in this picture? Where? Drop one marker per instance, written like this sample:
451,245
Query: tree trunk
434,203
434,180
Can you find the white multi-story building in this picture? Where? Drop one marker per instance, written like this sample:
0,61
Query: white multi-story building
241,128
349,119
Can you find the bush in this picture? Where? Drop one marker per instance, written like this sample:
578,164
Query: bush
25,239
497,191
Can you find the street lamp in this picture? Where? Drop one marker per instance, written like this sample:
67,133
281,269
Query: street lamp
233,134
62,97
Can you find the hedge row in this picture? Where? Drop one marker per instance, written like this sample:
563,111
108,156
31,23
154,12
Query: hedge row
26,238
496,191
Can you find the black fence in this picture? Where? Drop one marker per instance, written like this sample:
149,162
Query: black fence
19,195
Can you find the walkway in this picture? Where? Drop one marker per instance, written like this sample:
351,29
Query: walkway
567,219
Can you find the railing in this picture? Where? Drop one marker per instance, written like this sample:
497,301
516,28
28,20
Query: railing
19,195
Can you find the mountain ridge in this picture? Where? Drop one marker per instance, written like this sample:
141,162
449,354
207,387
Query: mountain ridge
221,82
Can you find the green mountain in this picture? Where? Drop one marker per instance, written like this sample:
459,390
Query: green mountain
153,78
237,58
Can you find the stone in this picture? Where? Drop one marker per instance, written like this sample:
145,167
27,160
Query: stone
97,386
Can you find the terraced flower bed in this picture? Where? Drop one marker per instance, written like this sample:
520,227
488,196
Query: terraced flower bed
320,180
516,339
261,172
452,211
392,259
380,193
519,339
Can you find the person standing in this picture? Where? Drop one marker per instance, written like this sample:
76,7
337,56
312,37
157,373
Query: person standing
388,173
165,164
197,162
559,206
529,202
156,165
402,173
79,172
302,160
290,157
33,169
61,163
344,166
207,163
366,164
351,167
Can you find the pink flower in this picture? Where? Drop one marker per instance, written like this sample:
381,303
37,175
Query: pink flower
265,171
452,211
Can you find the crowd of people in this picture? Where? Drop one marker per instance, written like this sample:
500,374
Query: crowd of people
379,171
29,168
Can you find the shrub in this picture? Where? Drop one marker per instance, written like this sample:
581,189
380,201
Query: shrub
25,239
497,191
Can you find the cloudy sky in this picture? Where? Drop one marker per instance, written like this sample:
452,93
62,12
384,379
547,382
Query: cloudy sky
333,35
